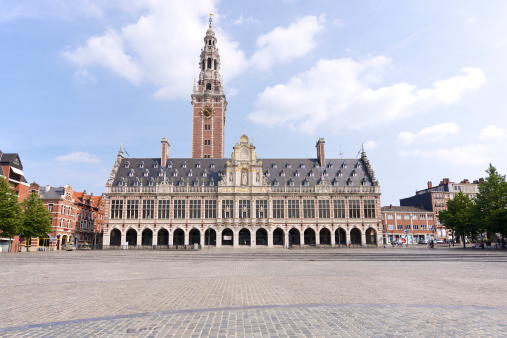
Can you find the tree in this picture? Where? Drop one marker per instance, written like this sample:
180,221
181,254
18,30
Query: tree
10,211
492,203
36,220
459,216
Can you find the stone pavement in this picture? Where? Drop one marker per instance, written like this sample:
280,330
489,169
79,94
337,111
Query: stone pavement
254,293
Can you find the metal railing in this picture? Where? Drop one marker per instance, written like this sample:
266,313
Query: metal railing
152,247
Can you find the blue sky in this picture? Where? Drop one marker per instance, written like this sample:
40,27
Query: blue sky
420,83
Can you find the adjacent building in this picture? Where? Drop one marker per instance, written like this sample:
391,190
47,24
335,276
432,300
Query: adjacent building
408,225
434,199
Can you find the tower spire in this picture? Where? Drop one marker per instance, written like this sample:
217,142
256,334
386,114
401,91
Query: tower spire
210,18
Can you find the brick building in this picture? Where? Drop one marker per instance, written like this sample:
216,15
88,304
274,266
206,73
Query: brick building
89,219
242,200
434,199
409,225
11,170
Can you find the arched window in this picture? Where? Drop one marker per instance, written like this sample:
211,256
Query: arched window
209,42
203,64
208,86
215,64
209,63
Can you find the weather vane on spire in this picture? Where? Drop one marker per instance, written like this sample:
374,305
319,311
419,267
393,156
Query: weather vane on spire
210,18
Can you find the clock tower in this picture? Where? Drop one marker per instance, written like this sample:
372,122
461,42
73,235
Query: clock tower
208,103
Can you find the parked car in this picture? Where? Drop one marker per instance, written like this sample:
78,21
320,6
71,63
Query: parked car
422,241
439,241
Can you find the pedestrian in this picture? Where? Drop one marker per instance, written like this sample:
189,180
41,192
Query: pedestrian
350,244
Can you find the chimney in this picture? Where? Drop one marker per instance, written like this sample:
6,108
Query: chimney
320,152
390,206
165,152
48,187
430,185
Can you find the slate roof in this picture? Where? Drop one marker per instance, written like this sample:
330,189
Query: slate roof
403,209
52,193
193,171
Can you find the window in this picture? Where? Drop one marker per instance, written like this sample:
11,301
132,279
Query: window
416,227
390,226
132,209
293,208
116,209
390,216
369,208
430,217
62,221
431,227
148,209
407,226
69,224
195,209
354,209
50,207
407,217
210,209
209,64
227,209
63,209
400,226
261,208
244,209
339,208
423,227
278,209
324,210
164,209
308,209
179,209
398,217
422,217
414,217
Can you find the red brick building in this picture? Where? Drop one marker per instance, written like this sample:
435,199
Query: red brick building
11,170
409,225
90,218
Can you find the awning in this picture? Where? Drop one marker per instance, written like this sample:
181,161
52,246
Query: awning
17,171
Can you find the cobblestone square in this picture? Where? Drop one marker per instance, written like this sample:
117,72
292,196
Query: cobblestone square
254,293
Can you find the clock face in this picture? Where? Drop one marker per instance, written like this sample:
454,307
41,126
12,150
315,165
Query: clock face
207,112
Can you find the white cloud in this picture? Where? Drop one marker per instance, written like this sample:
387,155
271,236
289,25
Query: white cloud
340,94
470,154
285,44
492,133
370,145
78,156
149,49
248,20
433,133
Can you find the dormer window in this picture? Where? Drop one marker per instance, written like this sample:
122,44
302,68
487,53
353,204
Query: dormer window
282,173
122,181
146,173
181,182
301,165
349,182
357,165
141,165
311,174
364,181
155,165
339,173
127,164
175,173
344,165
131,173
296,173
204,173
212,166
274,165
288,165
198,165
316,165
267,173
306,182
329,164
152,182
190,173
161,173
170,165
196,182
136,182
211,182
208,85
276,183
290,183
184,164
325,173
353,173
334,182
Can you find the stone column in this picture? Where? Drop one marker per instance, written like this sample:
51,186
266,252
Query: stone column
106,240
155,237
363,238
317,237
270,238
302,237
187,237
286,239
219,239
333,237
202,241
235,238
123,238
347,237
139,237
